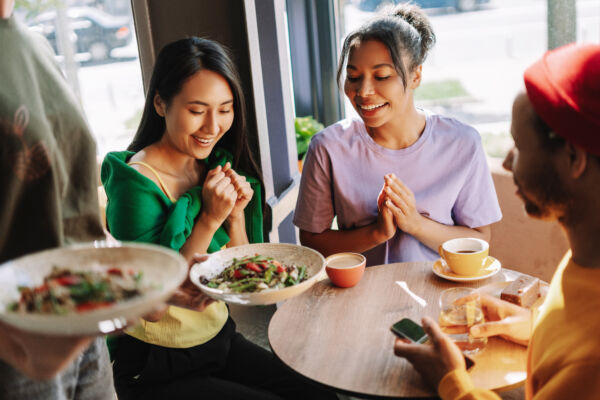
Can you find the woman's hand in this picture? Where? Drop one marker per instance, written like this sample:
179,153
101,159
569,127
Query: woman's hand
38,356
385,226
401,202
219,196
435,360
243,190
505,319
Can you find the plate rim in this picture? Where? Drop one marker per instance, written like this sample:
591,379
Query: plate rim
244,301
59,324
467,278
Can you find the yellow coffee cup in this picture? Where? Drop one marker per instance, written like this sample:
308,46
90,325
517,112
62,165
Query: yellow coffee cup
465,256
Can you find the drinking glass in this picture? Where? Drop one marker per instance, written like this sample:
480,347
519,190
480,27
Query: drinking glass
458,313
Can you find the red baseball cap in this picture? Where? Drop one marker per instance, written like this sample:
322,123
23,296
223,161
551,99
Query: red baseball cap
564,89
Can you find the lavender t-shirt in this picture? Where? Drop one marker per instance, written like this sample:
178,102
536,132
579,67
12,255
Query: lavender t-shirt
445,168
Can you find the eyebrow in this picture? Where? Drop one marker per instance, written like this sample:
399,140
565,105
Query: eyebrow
350,66
207,105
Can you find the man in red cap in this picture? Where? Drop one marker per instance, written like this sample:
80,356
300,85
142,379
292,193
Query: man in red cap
556,167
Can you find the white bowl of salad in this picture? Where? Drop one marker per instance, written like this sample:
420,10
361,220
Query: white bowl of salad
258,274
88,288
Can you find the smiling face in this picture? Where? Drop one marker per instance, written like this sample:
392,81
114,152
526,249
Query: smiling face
534,170
199,115
374,86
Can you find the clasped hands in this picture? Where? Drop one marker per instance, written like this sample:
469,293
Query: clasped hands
397,208
433,361
225,194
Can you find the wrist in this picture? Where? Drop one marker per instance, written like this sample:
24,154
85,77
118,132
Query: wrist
378,235
236,219
416,229
209,223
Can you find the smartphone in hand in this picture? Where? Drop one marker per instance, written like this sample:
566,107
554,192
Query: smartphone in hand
408,329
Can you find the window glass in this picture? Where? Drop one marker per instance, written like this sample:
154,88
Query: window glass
102,65
483,46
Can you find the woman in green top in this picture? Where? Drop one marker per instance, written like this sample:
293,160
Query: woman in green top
189,182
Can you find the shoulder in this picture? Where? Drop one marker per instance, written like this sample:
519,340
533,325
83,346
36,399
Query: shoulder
452,132
36,43
115,168
339,133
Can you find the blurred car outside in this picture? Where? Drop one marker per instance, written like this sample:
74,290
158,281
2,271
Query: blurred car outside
459,5
93,31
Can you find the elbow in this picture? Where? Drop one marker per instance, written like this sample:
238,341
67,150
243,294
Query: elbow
485,232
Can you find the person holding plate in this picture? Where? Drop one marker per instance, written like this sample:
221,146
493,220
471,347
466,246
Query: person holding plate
189,182
430,170
48,177
555,163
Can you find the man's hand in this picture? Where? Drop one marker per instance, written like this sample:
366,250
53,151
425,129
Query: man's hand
39,357
433,361
505,319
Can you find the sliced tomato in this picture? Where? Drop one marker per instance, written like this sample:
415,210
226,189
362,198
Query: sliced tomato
237,274
68,280
92,305
41,289
116,271
253,267
280,268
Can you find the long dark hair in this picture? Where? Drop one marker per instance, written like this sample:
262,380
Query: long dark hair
175,64
404,29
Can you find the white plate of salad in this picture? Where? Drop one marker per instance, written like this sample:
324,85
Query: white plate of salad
87,288
258,274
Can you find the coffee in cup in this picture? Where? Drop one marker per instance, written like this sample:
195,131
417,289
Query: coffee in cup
465,256
345,269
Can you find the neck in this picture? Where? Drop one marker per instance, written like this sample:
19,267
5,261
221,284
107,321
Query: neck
172,161
583,232
401,132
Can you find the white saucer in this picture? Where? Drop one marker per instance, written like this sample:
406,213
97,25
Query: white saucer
441,269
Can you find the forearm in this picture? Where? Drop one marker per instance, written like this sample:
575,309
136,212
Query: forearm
200,238
432,234
335,241
236,229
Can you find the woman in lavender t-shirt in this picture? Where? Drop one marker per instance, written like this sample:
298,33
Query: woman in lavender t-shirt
437,185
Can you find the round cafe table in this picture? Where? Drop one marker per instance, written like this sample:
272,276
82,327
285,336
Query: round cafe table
341,338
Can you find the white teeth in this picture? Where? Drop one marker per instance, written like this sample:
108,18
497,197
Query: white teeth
203,141
372,107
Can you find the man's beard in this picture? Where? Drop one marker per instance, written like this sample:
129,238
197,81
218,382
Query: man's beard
547,197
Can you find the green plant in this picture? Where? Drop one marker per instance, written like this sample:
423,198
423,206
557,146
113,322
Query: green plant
306,127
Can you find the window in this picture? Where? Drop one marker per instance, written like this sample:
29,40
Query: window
483,46
102,67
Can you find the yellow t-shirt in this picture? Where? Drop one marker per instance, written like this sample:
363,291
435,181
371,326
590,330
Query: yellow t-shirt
564,351
182,328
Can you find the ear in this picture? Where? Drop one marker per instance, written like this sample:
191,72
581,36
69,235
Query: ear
159,105
415,77
578,159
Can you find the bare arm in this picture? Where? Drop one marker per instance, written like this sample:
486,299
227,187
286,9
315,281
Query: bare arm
236,222
218,198
401,201
355,240
38,356
433,234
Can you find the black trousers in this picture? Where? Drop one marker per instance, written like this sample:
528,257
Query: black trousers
226,367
